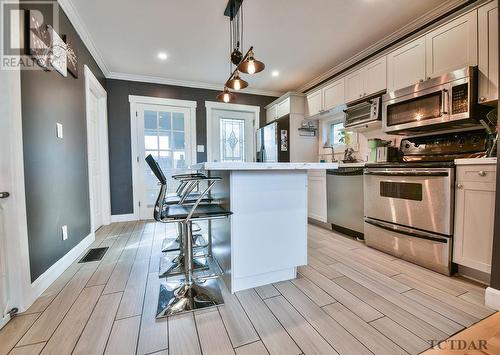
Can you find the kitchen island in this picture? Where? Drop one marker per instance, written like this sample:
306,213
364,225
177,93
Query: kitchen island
265,240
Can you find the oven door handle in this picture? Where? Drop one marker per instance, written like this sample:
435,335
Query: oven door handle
407,231
444,102
407,173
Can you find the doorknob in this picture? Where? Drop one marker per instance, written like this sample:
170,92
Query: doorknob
4,194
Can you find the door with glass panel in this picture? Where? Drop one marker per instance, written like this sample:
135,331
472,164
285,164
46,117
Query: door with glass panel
232,136
163,132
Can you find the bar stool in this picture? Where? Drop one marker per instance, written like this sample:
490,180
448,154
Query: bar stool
177,296
170,266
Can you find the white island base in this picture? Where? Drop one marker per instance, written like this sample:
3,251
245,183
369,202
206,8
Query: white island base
265,239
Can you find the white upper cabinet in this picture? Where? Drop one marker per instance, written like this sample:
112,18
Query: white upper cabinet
452,46
333,94
488,52
271,113
283,108
313,102
406,65
376,76
366,81
354,85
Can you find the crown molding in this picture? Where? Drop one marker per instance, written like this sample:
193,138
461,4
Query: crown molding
435,13
82,31
185,83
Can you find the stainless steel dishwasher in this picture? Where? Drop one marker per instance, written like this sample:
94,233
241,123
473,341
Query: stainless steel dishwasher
344,188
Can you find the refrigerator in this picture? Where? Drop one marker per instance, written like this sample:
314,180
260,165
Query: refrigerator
273,141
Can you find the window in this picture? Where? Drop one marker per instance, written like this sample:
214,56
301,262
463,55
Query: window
336,129
232,139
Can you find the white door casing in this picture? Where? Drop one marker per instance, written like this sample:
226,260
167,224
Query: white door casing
97,151
217,111
15,280
142,187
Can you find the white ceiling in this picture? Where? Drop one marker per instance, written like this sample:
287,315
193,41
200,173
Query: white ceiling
300,38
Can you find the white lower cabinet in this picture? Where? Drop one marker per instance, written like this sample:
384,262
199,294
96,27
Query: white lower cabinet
317,195
474,216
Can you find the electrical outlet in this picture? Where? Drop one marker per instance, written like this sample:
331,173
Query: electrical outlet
59,130
64,232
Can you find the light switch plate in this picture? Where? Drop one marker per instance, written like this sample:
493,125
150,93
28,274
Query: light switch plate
200,148
64,232
59,130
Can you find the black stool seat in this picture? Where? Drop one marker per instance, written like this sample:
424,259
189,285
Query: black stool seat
180,212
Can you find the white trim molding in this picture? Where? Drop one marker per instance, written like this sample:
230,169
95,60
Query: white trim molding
214,105
185,83
161,101
428,17
77,22
52,273
92,85
492,298
123,217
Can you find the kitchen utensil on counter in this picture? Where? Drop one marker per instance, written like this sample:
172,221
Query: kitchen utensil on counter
387,154
373,144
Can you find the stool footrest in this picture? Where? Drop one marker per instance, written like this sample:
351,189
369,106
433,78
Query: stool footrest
175,266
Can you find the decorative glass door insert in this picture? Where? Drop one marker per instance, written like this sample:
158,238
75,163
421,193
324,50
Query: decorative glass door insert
232,140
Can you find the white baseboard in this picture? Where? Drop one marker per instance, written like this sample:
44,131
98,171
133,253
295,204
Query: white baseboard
492,298
123,218
48,277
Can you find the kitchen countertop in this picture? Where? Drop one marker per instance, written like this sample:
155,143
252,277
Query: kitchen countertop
475,161
263,166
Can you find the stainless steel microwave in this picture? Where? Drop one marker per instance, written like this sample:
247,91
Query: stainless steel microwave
363,113
446,102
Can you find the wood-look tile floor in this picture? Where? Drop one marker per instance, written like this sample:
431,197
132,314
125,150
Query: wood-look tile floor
349,299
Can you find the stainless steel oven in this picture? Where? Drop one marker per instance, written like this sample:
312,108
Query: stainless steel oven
448,101
409,213
363,113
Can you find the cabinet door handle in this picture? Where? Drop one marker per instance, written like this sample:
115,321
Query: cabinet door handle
460,186
481,173
482,99
4,194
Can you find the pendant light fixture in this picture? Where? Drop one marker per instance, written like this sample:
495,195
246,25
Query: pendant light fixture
236,83
244,63
250,65
226,96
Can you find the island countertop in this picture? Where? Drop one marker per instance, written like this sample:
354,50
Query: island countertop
263,166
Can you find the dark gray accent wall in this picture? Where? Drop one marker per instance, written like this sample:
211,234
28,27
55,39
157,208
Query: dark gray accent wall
120,158
56,175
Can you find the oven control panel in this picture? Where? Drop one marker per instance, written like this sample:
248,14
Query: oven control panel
460,99
446,144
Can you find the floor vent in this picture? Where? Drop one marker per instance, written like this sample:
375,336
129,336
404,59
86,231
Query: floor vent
94,254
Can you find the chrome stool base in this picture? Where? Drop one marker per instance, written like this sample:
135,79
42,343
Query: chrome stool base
177,296
175,266
174,244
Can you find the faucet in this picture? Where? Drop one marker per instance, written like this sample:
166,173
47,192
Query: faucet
333,152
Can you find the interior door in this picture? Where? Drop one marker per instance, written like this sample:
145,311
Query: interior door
232,136
164,132
94,160
5,204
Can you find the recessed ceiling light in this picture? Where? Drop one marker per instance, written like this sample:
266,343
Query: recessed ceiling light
275,73
162,56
